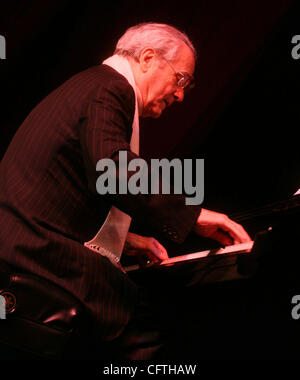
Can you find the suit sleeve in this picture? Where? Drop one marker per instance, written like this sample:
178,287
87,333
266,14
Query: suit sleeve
104,132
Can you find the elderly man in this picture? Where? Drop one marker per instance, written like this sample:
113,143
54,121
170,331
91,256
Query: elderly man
50,209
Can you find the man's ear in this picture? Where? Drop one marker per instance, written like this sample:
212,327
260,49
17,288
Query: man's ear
147,59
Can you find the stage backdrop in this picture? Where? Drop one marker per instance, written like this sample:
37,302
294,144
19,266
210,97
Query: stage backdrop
241,117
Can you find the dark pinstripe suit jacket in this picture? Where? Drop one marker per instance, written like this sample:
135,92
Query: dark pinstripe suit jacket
48,200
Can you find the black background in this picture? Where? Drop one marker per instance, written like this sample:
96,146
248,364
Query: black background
242,117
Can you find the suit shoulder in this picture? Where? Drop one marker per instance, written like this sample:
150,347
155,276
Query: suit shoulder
104,80
104,76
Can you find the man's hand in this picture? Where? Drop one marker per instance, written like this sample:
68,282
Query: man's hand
219,227
144,248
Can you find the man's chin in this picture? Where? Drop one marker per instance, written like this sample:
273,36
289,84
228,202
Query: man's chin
153,113
156,116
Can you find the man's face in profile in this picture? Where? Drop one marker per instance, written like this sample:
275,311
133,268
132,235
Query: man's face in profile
162,89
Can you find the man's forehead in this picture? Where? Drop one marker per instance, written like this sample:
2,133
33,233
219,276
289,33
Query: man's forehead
185,58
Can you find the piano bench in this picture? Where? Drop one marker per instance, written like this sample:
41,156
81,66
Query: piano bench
38,319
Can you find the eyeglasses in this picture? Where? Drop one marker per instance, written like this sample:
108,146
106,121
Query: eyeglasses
184,80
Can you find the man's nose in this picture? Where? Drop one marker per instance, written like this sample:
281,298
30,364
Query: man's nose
179,94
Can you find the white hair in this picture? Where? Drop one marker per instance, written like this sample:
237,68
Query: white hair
165,39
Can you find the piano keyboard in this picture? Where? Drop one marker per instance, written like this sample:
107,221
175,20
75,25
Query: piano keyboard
236,248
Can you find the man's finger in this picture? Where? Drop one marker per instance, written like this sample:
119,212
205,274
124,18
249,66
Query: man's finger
159,250
222,237
236,231
146,258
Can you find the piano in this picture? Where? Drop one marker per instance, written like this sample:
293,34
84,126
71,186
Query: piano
235,301
232,249
262,220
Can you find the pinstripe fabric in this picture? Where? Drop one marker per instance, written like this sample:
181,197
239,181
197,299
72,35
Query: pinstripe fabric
48,200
